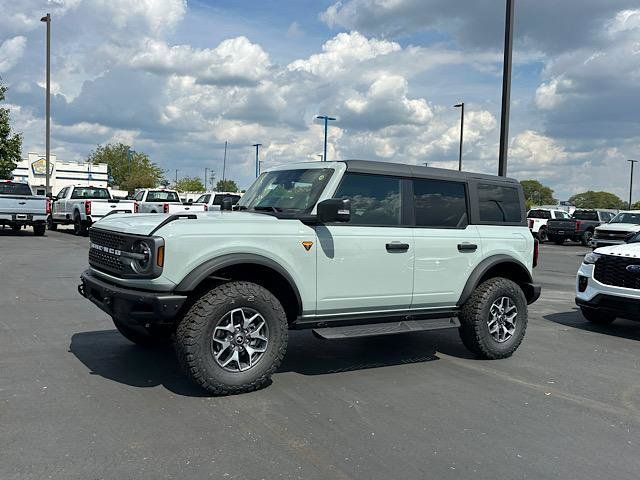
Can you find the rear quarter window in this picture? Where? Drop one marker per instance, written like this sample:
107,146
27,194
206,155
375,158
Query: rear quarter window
499,204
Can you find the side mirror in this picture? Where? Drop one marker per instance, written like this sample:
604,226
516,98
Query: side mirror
334,210
227,204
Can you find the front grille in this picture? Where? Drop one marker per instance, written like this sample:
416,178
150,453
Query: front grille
612,270
611,234
103,260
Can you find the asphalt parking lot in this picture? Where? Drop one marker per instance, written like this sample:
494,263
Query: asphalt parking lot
78,401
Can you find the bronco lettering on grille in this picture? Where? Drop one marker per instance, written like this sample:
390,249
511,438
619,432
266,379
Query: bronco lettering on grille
102,248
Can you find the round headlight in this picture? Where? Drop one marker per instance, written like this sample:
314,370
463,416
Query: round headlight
591,258
144,253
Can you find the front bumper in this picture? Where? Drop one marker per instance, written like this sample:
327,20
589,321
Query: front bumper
628,308
130,305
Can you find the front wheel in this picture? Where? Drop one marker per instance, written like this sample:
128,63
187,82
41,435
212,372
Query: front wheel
597,317
585,240
233,338
494,319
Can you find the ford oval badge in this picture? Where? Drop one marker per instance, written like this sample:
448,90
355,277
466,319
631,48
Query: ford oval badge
633,269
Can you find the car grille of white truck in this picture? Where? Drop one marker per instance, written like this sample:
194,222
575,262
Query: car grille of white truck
618,271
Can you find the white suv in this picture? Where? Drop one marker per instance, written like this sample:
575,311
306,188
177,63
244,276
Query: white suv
348,249
608,283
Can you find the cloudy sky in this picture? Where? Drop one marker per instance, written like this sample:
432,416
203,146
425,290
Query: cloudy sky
176,78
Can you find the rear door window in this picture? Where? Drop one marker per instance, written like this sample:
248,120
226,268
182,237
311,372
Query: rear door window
440,203
499,204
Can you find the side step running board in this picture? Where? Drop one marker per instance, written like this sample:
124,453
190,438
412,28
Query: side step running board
390,328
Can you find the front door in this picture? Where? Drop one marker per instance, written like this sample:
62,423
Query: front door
366,265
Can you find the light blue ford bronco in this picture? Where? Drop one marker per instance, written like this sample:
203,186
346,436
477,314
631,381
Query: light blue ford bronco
348,249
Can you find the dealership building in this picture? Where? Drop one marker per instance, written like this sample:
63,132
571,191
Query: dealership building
32,170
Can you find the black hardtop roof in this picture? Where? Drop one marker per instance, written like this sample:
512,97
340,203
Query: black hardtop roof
405,170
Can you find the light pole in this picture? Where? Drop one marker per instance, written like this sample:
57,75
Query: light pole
257,145
224,162
506,89
461,107
47,20
631,181
326,121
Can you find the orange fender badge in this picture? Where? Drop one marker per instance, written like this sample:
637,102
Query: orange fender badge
307,245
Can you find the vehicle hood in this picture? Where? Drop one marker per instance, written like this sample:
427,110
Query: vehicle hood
145,223
620,227
631,250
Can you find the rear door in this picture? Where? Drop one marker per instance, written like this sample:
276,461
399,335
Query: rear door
366,265
447,248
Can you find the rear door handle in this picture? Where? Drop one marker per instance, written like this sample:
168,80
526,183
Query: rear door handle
397,247
467,247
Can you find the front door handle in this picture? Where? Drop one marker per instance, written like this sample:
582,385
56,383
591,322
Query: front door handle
397,247
467,247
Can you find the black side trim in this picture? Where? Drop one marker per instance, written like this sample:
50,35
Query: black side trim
624,307
484,266
200,273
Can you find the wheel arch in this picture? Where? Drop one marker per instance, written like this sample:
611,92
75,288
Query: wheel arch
499,266
248,267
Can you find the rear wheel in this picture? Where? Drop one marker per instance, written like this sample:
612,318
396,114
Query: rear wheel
596,316
233,338
142,336
493,321
585,240
51,225
16,228
79,228
542,235
39,229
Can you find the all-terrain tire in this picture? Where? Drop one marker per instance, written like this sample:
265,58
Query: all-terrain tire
193,338
475,313
143,336
39,229
51,225
597,317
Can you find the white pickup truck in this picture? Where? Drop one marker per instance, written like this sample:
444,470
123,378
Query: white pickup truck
163,201
19,207
537,219
213,200
84,205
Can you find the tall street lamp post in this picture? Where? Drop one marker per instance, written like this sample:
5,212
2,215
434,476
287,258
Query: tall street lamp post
326,121
47,20
257,145
631,182
506,88
461,107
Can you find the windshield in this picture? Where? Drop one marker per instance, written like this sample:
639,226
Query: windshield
627,218
295,190
11,188
162,196
91,193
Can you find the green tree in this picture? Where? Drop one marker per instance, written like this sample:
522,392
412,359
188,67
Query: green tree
591,199
127,169
10,144
190,184
536,193
636,206
226,186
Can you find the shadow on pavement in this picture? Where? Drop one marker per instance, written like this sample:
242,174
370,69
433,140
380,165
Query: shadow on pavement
108,354
620,328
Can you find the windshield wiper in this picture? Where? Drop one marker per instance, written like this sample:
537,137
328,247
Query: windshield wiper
268,209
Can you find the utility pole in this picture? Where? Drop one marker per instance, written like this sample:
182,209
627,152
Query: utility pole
205,178
461,106
326,121
224,162
47,20
257,145
506,88
175,184
631,182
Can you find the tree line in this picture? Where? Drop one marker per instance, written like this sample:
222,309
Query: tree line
535,194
